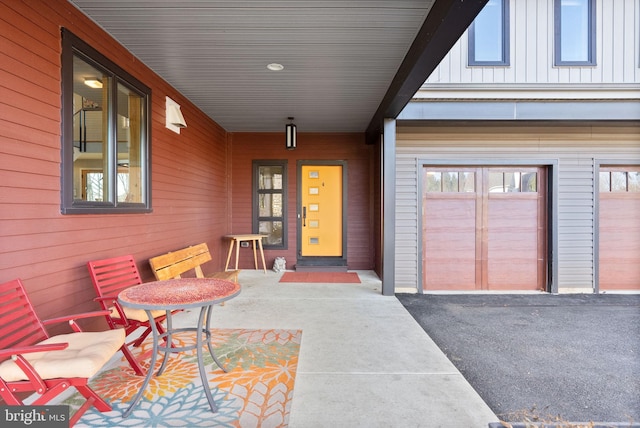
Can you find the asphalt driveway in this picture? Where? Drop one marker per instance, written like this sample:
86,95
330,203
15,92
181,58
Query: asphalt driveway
555,357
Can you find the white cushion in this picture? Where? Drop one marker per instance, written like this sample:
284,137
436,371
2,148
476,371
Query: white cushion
84,357
136,314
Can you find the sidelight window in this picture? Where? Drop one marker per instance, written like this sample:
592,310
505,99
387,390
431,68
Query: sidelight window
269,202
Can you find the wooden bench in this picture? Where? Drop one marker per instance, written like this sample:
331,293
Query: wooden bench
174,264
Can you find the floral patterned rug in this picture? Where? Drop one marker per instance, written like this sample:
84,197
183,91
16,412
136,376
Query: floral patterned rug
256,392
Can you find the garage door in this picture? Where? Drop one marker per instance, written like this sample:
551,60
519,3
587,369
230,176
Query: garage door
619,228
484,228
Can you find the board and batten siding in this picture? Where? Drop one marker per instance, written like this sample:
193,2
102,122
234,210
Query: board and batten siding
532,46
574,149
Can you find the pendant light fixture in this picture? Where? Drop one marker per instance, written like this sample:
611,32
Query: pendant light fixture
290,133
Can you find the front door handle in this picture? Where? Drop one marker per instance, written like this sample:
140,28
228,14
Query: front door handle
304,216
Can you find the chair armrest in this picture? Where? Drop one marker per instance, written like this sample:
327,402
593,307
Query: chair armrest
10,352
75,317
72,319
113,300
105,298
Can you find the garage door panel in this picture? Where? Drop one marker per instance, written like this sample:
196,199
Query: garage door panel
620,274
619,230
513,243
516,274
449,254
490,237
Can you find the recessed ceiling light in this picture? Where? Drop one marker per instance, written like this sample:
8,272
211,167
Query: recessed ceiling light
274,66
93,82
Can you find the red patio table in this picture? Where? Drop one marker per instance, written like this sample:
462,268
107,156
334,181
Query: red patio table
172,294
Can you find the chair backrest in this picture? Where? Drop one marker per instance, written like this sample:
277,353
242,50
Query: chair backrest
110,276
175,263
19,324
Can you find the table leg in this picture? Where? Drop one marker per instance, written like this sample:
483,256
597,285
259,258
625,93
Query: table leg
167,345
208,333
203,374
152,364
264,266
255,257
226,266
237,253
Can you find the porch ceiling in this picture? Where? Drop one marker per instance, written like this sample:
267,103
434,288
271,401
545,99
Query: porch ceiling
347,64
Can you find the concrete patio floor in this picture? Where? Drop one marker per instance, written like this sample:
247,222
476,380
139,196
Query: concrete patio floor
364,360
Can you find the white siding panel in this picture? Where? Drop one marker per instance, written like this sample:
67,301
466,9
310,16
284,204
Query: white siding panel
406,254
574,148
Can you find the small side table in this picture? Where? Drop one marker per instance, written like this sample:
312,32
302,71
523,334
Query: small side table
174,294
256,239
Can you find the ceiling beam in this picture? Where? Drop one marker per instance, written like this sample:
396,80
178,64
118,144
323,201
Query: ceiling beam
442,28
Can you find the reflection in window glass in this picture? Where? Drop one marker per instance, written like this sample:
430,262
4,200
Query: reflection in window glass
467,182
512,181
90,149
433,181
517,181
450,182
496,183
270,177
130,176
270,205
605,181
634,181
273,232
618,181
529,182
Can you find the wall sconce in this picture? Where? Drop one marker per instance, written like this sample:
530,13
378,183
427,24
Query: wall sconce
290,132
93,82
174,118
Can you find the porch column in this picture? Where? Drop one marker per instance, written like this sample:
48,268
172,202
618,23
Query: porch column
388,160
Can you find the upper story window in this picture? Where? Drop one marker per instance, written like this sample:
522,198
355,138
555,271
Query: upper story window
489,35
575,26
270,202
105,134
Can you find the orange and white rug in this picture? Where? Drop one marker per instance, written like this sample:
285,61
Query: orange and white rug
256,392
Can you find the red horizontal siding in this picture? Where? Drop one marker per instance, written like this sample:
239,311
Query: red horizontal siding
49,251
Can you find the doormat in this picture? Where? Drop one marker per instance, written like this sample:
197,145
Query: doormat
327,277
256,392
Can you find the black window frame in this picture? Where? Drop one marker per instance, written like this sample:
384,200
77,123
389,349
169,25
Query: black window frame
557,43
256,192
72,46
506,47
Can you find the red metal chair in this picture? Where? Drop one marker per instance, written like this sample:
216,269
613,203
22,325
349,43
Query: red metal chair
110,277
31,361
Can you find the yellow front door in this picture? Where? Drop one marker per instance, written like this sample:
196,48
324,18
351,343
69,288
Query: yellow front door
321,210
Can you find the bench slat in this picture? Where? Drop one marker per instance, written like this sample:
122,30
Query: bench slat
174,264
